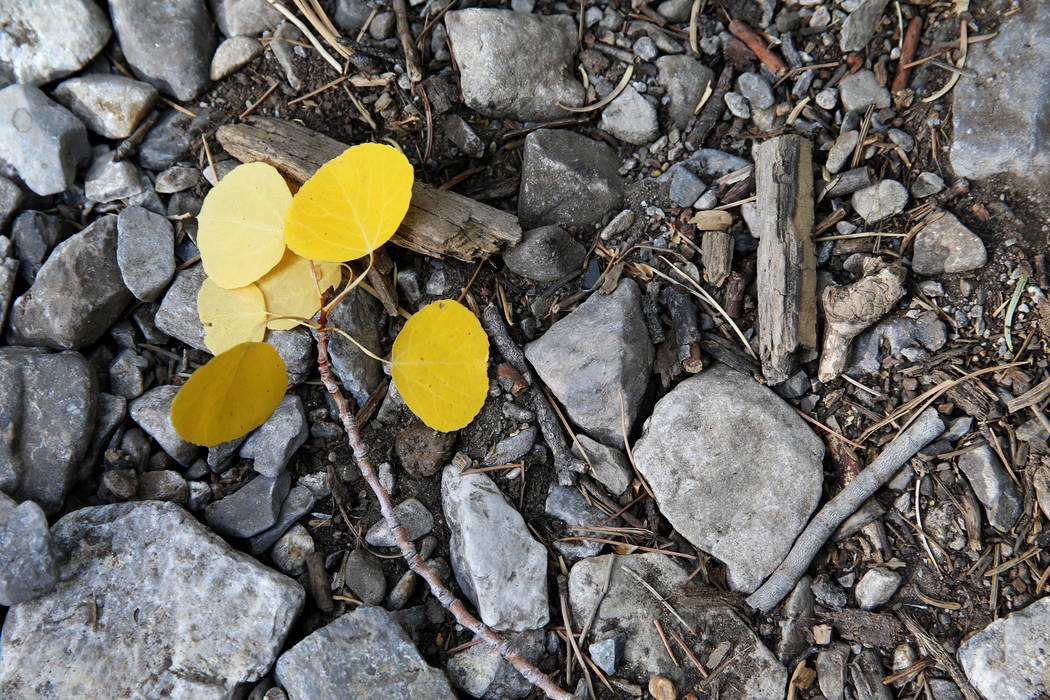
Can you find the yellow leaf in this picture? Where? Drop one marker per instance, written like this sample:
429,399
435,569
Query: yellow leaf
439,362
231,316
235,392
241,225
352,205
290,290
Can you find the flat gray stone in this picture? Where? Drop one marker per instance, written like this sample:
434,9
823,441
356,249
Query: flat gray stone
756,90
244,17
499,566
945,245
734,470
876,587
299,502
513,447
684,80
177,314
145,252
831,670
108,180
361,316
41,139
27,562
250,509
152,411
927,184
686,187
273,443
545,254
44,41
489,44
125,374
169,141
569,506
880,201
594,354
233,54
109,105
481,672
567,179
1007,659
606,464
363,575
993,487
180,614
412,515
630,118
842,150
177,178
859,27
862,90
363,655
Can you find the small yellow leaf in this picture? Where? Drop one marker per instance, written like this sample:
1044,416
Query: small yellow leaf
231,316
352,205
439,362
235,392
290,289
241,225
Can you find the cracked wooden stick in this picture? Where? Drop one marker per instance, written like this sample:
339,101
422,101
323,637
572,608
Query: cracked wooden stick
920,433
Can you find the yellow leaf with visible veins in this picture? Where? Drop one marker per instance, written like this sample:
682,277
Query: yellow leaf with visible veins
231,316
290,290
439,365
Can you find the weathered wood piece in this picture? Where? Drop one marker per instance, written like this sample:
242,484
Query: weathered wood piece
686,331
787,275
438,222
716,249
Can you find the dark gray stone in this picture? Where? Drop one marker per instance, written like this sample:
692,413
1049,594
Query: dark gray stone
177,314
608,652
110,105
145,252
545,254
108,180
756,90
993,487
945,245
606,464
299,501
686,187
152,411
351,15
796,623
10,201
274,442
361,316
569,506
41,139
513,447
363,575
44,41
34,235
859,27
125,374
481,672
684,80
27,562
169,141
250,509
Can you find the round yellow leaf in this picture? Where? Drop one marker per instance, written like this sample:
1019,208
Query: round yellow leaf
439,365
231,316
241,225
290,290
352,205
235,392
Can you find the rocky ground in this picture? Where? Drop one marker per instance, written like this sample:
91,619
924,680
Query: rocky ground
138,565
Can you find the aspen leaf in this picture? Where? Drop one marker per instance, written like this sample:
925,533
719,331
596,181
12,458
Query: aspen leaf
439,365
241,225
231,316
236,391
290,290
352,205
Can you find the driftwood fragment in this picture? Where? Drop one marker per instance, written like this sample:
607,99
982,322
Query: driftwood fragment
787,274
686,332
716,249
438,222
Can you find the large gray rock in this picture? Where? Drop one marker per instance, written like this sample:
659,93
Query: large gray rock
489,45
545,254
47,419
999,118
598,352
78,293
631,118
43,41
606,464
499,566
152,411
250,509
167,43
274,442
859,27
946,245
363,655
244,17
734,470
145,251
34,235
41,139
567,179
27,562
993,487
684,80
481,672
1007,659
110,105
361,316
148,594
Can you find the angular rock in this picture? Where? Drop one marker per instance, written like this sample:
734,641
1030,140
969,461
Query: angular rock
299,501
686,187
152,411
169,140
108,180
606,464
109,105
876,587
684,80
862,90
631,118
177,314
27,562
712,163
250,509
1007,659
289,553
859,27
10,201
164,485
755,88
363,654
545,254
125,374
734,470
512,448
569,506
41,139
167,43
244,17
170,602
233,54
498,564
945,245
567,179
8,275
797,623
34,235
412,515
842,150
361,316
993,487
363,575
481,672
880,201
145,252
274,442
926,184
177,178
831,670
488,45
608,653
421,449
44,41
598,352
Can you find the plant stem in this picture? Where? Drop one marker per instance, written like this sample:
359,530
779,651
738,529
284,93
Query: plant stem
408,550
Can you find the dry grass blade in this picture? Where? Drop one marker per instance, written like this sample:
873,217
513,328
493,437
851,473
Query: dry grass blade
608,98
307,33
660,598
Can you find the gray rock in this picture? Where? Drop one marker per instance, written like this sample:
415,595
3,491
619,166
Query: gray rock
499,566
297,350
567,179
177,314
176,179
755,88
10,202
363,654
351,15
842,150
244,17
41,139
169,140
828,593
686,187
903,337
108,180
862,90
152,411
512,448
488,45
402,590
460,133
27,562
8,276
993,487
125,374
170,600
737,105
361,316
34,234
42,42
569,506
946,245
944,689
545,254
481,672
902,139
734,470
145,252
859,27
167,43
880,201
797,622
645,48
630,118
594,355
608,653
233,54
299,501
412,515
163,485
437,283
831,670
827,98
926,185
1007,659
606,464
684,80
287,37
363,575
250,509
999,118
876,587
290,551
110,105
712,163
867,673
274,442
